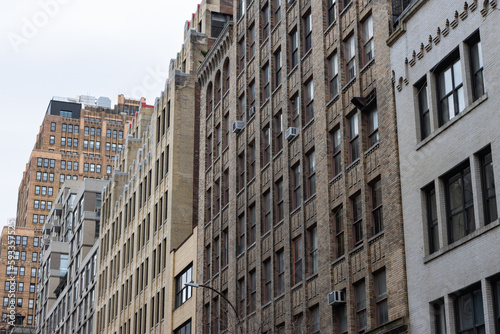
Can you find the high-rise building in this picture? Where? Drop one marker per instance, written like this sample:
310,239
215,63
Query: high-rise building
68,261
148,237
446,68
300,217
74,143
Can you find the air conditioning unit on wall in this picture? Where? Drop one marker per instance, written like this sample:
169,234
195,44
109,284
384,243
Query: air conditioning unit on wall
336,298
238,126
291,133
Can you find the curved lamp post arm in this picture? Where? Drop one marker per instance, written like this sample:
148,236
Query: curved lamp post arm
194,285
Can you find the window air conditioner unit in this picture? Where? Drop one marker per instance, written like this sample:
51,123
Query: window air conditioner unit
291,133
238,126
251,112
335,298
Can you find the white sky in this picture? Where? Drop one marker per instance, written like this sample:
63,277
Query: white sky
77,47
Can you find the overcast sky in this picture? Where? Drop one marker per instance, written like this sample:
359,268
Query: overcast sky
77,47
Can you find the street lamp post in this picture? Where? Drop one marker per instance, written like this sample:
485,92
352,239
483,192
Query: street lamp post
194,285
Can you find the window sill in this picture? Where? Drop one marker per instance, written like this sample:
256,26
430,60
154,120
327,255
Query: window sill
306,55
333,100
352,165
336,178
308,124
312,277
345,9
367,65
461,241
452,121
349,84
338,260
297,286
293,70
376,236
357,248
330,27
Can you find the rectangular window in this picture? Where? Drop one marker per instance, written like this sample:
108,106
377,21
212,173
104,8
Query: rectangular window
277,68
360,295
252,291
241,297
242,52
225,248
279,201
265,22
266,75
309,97
307,23
53,126
439,316
266,145
476,64
294,49
266,204
459,204
354,137
469,312
297,261
332,11
488,187
338,216
277,11
296,190
251,42
295,111
252,225
377,215
242,107
333,73
241,234
280,272
311,174
183,292
52,140
381,297
314,320
450,89
312,244
367,40
336,151
266,281
278,132
373,136
350,58
432,220
241,8
423,109
357,222
251,160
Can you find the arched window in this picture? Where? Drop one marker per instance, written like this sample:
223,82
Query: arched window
217,87
209,99
226,76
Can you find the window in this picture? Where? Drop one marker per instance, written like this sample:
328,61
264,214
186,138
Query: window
469,311
309,94
252,228
266,281
278,190
333,73
459,203
32,287
241,8
251,42
367,40
312,238
251,93
241,234
476,64
183,329
450,89
108,133
209,152
86,167
266,222
338,216
373,137
357,222
297,261
37,190
280,272
296,191
52,126
251,160
350,58
381,297
227,76
277,68
336,151
44,176
34,257
314,325
36,205
218,88
488,187
242,108
182,291
75,142
20,286
278,132
311,174
241,171
360,295
295,106
241,55
377,216
266,91
86,130
35,219
266,145
265,22
51,191
52,140
332,11
423,109
241,296
353,137
85,143
33,272
38,176
51,177
35,242
432,220
120,134
277,11
252,291
31,303
294,49
225,188
307,23
77,129
439,316
114,133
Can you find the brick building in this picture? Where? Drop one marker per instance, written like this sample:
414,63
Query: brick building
77,140
446,64
68,261
300,217
19,254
